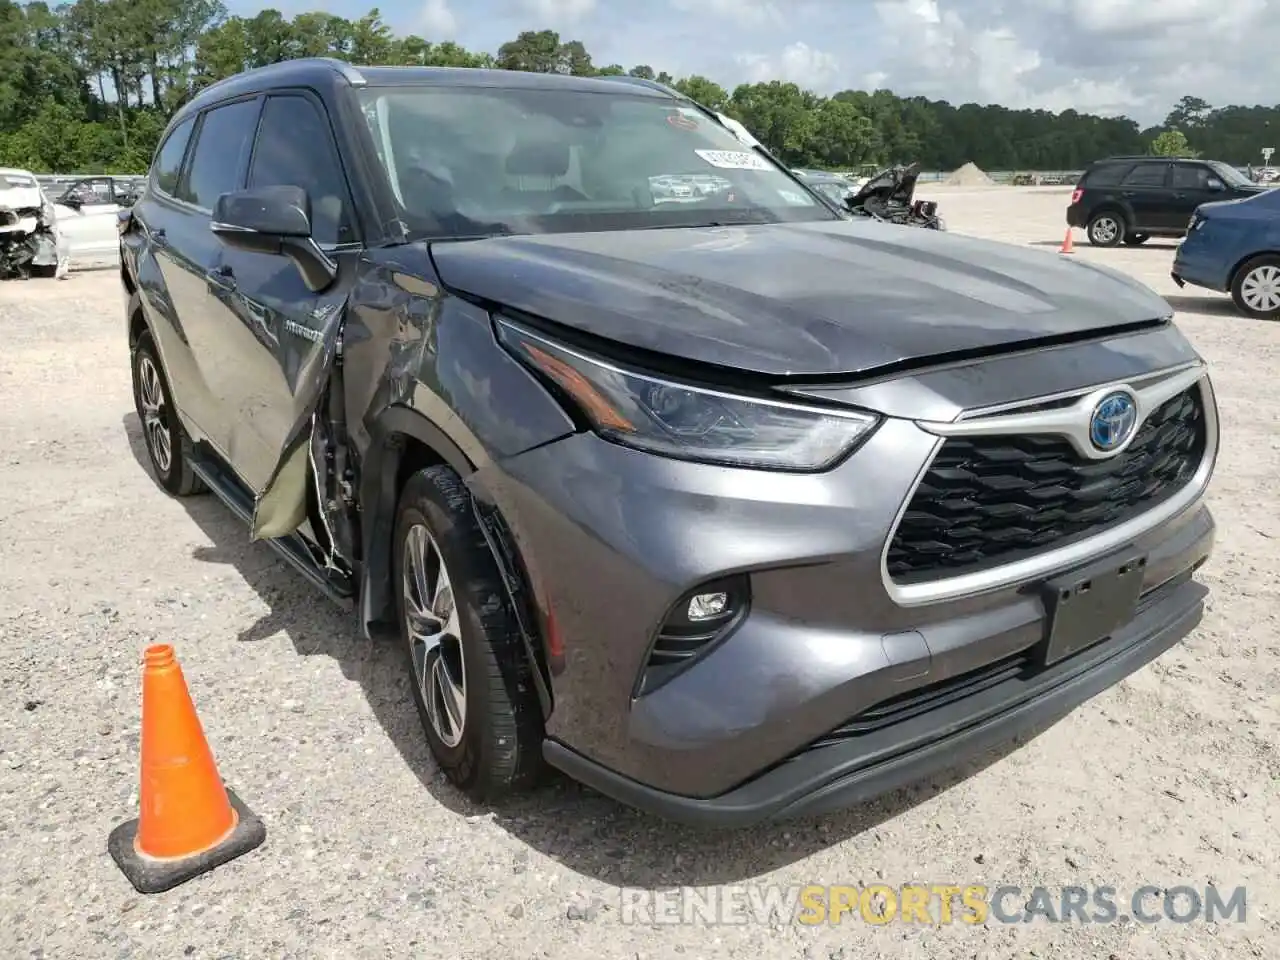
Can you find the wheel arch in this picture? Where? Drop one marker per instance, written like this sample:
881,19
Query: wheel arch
137,319
1111,206
1234,273
402,442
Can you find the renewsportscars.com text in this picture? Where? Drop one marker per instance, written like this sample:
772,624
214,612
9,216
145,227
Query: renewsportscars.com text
931,904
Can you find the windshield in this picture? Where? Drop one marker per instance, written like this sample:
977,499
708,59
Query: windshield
1229,174
833,189
484,161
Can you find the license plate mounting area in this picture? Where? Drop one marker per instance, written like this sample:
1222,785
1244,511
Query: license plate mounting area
1088,604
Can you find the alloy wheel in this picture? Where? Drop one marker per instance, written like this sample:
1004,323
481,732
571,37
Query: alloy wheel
155,414
1260,289
1105,230
435,637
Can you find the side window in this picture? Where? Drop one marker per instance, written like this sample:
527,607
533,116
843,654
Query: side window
1107,175
168,162
295,147
1146,175
1190,176
224,136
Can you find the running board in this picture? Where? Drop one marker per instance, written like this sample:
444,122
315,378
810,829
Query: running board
292,548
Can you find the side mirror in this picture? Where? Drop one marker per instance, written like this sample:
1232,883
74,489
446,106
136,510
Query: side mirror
276,221
1216,184
71,201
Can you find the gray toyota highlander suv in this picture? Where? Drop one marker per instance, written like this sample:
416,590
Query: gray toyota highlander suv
733,509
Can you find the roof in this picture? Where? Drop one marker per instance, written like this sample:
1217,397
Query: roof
325,72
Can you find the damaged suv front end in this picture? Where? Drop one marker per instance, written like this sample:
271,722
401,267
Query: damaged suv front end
28,227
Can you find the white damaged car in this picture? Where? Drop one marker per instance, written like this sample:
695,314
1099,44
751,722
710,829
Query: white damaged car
43,237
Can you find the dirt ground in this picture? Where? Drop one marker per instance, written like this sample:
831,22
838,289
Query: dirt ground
1173,777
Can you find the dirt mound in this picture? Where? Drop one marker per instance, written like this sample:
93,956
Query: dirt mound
969,176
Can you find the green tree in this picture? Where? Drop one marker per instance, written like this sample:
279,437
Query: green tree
1171,143
90,85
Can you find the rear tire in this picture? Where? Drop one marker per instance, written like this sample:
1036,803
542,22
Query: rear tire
1136,239
471,679
1256,288
168,447
1106,229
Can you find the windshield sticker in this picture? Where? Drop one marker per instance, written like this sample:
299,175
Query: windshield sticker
682,121
733,159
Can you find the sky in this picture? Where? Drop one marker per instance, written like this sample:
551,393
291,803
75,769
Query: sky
1131,57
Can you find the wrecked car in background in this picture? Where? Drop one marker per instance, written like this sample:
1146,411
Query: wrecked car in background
40,236
890,196
28,227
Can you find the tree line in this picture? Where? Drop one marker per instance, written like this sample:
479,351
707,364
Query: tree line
88,87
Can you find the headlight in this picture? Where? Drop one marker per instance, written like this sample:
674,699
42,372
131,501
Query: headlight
687,422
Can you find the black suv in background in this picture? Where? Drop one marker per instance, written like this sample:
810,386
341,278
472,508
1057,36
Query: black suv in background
1128,199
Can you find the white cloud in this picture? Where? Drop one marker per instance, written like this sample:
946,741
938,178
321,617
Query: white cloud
733,13
554,13
1136,57
798,63
437,21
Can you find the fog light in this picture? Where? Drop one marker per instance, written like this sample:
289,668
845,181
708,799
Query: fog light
705,606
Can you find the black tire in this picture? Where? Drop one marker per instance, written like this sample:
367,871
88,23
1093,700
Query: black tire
1135,239
174,473
500,740
1106,228
1266,266
44,272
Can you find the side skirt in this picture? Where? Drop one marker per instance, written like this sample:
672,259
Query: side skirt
293,548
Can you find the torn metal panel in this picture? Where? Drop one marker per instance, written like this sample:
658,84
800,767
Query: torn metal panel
309,355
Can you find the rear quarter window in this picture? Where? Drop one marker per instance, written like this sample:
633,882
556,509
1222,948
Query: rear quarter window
168,163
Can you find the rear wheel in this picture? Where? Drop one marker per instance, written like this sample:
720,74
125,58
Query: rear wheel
168,446
471,679
1106,229
1135,239
1256,288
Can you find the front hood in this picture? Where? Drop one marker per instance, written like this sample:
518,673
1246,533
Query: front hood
891,184
811,298
21,198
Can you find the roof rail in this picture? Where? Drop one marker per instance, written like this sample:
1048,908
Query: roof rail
644,82
352,75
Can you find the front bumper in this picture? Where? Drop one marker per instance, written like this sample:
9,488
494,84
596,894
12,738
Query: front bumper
612,537
834,777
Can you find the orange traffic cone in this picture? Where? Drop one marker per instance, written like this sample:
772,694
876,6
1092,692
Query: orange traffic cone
1068,245
189,822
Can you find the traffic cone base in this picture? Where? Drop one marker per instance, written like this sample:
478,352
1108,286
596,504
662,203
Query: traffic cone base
158,874
189,822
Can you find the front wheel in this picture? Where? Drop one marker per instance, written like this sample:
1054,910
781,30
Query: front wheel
471,679
1256,288
1106,229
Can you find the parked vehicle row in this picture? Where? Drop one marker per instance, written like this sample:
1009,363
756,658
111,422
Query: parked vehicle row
735,508
1229,225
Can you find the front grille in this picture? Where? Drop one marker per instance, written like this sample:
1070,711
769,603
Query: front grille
996,499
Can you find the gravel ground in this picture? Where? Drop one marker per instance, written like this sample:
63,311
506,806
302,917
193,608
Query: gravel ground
1171,777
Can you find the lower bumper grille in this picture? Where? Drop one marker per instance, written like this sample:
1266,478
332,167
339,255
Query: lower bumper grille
996,499
935,696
